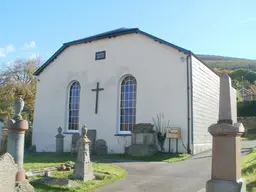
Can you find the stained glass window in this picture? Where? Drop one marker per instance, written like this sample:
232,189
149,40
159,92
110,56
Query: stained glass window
74,100
128,103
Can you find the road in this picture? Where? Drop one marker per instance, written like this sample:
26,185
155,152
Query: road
189,175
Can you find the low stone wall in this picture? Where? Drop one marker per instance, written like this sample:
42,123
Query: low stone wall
248,122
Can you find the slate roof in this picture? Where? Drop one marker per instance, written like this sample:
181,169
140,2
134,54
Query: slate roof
112,33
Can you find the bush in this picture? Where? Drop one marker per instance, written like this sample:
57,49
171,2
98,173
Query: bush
246,109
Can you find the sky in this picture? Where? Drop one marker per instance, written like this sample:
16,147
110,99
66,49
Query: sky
39,28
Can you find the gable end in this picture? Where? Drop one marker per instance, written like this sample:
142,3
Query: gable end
109,34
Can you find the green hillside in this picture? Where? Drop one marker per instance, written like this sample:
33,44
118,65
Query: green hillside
228,62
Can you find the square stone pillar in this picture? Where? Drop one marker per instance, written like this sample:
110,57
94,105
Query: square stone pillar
226,149
226,159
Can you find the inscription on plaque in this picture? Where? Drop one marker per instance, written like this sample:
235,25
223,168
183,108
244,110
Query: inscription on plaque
173,133
8,172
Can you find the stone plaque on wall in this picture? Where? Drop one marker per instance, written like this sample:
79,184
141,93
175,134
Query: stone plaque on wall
8,172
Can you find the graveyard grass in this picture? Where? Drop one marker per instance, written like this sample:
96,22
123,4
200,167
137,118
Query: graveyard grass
37,160
251,135
159,157
249,170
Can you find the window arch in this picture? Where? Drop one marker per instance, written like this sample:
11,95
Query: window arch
128,103
73,106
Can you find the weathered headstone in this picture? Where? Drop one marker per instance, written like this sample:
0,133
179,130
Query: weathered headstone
3,148
83,166
92,136
226,150
15,144
1,127
8,170
75,138
59,141
101,147
143,140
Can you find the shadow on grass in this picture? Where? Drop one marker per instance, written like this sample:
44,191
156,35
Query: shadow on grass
158,157
250,187
40,160
40,187
250,136
47,157
249,170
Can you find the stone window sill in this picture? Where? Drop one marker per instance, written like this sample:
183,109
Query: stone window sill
69,132
122,134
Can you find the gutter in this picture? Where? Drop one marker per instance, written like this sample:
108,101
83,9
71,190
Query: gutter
192,119
189,99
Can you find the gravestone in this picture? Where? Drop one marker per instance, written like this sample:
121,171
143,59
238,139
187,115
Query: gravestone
101,147
92,136
8,176
1,127
8,171
226,150
83,167
3,148
75,138
59,141
143,140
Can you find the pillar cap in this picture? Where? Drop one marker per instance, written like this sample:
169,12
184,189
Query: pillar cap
226,129
17,126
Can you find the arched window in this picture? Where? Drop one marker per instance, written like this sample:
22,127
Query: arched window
74,101
128,103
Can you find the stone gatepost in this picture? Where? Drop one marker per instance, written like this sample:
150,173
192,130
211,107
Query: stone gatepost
59,141
15,144
83,166
226,149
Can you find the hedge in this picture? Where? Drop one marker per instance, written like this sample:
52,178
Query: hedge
246,109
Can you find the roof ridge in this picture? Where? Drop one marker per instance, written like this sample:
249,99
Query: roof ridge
110,32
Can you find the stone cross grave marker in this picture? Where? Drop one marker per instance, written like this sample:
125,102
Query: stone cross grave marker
8,170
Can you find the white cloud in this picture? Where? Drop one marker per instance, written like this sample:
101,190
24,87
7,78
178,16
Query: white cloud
28,45
8,49
34,55
248,20
2,52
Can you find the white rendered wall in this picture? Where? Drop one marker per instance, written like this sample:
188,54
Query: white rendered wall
234,105
161,87
205,104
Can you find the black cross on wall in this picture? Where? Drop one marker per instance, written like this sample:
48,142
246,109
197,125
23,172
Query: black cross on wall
97,96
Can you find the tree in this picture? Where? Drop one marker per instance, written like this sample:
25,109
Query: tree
18,79
252,90
244,74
